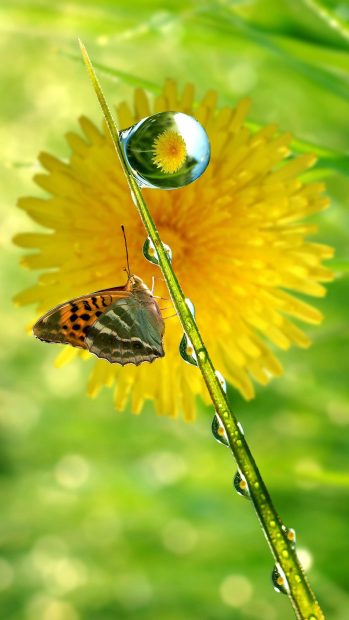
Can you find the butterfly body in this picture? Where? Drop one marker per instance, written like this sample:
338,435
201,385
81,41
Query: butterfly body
121,324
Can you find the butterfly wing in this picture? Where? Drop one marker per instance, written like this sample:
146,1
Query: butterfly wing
129,332
69,323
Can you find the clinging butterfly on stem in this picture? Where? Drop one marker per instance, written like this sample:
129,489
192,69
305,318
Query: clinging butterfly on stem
122,324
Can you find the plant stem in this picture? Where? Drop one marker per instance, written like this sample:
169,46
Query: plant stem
280,540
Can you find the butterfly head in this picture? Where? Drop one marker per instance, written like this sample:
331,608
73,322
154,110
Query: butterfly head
136,286
135,283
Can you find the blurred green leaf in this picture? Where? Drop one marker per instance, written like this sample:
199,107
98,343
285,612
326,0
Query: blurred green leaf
229,24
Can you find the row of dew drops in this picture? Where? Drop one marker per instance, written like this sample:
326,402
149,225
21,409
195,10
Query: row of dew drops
187,352
180,154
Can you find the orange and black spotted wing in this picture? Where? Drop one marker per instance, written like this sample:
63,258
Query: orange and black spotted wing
69,323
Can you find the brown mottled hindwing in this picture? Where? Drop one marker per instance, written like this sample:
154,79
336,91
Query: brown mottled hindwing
129,332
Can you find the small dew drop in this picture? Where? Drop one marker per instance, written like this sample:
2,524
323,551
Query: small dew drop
150,252
279,580
218,431
190,306
168,251
290,535
221,380
240,428
240,485
187,351
166,151
202,355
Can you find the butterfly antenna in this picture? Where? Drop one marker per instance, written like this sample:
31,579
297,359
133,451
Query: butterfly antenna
128,264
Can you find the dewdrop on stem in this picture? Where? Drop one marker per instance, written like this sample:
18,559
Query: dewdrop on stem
166,151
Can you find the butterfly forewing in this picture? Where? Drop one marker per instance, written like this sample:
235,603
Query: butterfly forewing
69,323
128,333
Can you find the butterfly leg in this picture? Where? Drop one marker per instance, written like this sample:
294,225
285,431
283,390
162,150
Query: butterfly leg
153,283
171,316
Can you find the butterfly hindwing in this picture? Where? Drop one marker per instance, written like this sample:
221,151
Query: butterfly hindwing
128,332
70,322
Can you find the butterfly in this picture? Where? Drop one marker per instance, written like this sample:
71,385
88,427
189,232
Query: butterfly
122,324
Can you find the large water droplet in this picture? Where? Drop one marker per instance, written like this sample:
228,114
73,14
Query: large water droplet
187,352
240,485
166,150
279,580
218,431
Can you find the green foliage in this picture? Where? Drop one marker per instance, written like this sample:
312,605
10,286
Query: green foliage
107,516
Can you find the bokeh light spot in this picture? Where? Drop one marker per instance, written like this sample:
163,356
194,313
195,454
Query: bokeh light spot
236,590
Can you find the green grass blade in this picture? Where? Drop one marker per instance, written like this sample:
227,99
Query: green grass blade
334,21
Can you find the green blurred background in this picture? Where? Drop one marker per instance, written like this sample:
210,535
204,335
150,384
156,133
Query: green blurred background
108,516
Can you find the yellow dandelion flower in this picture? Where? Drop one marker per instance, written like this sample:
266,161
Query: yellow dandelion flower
169,151
239,242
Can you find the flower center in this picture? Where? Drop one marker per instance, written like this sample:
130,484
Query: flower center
170,151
